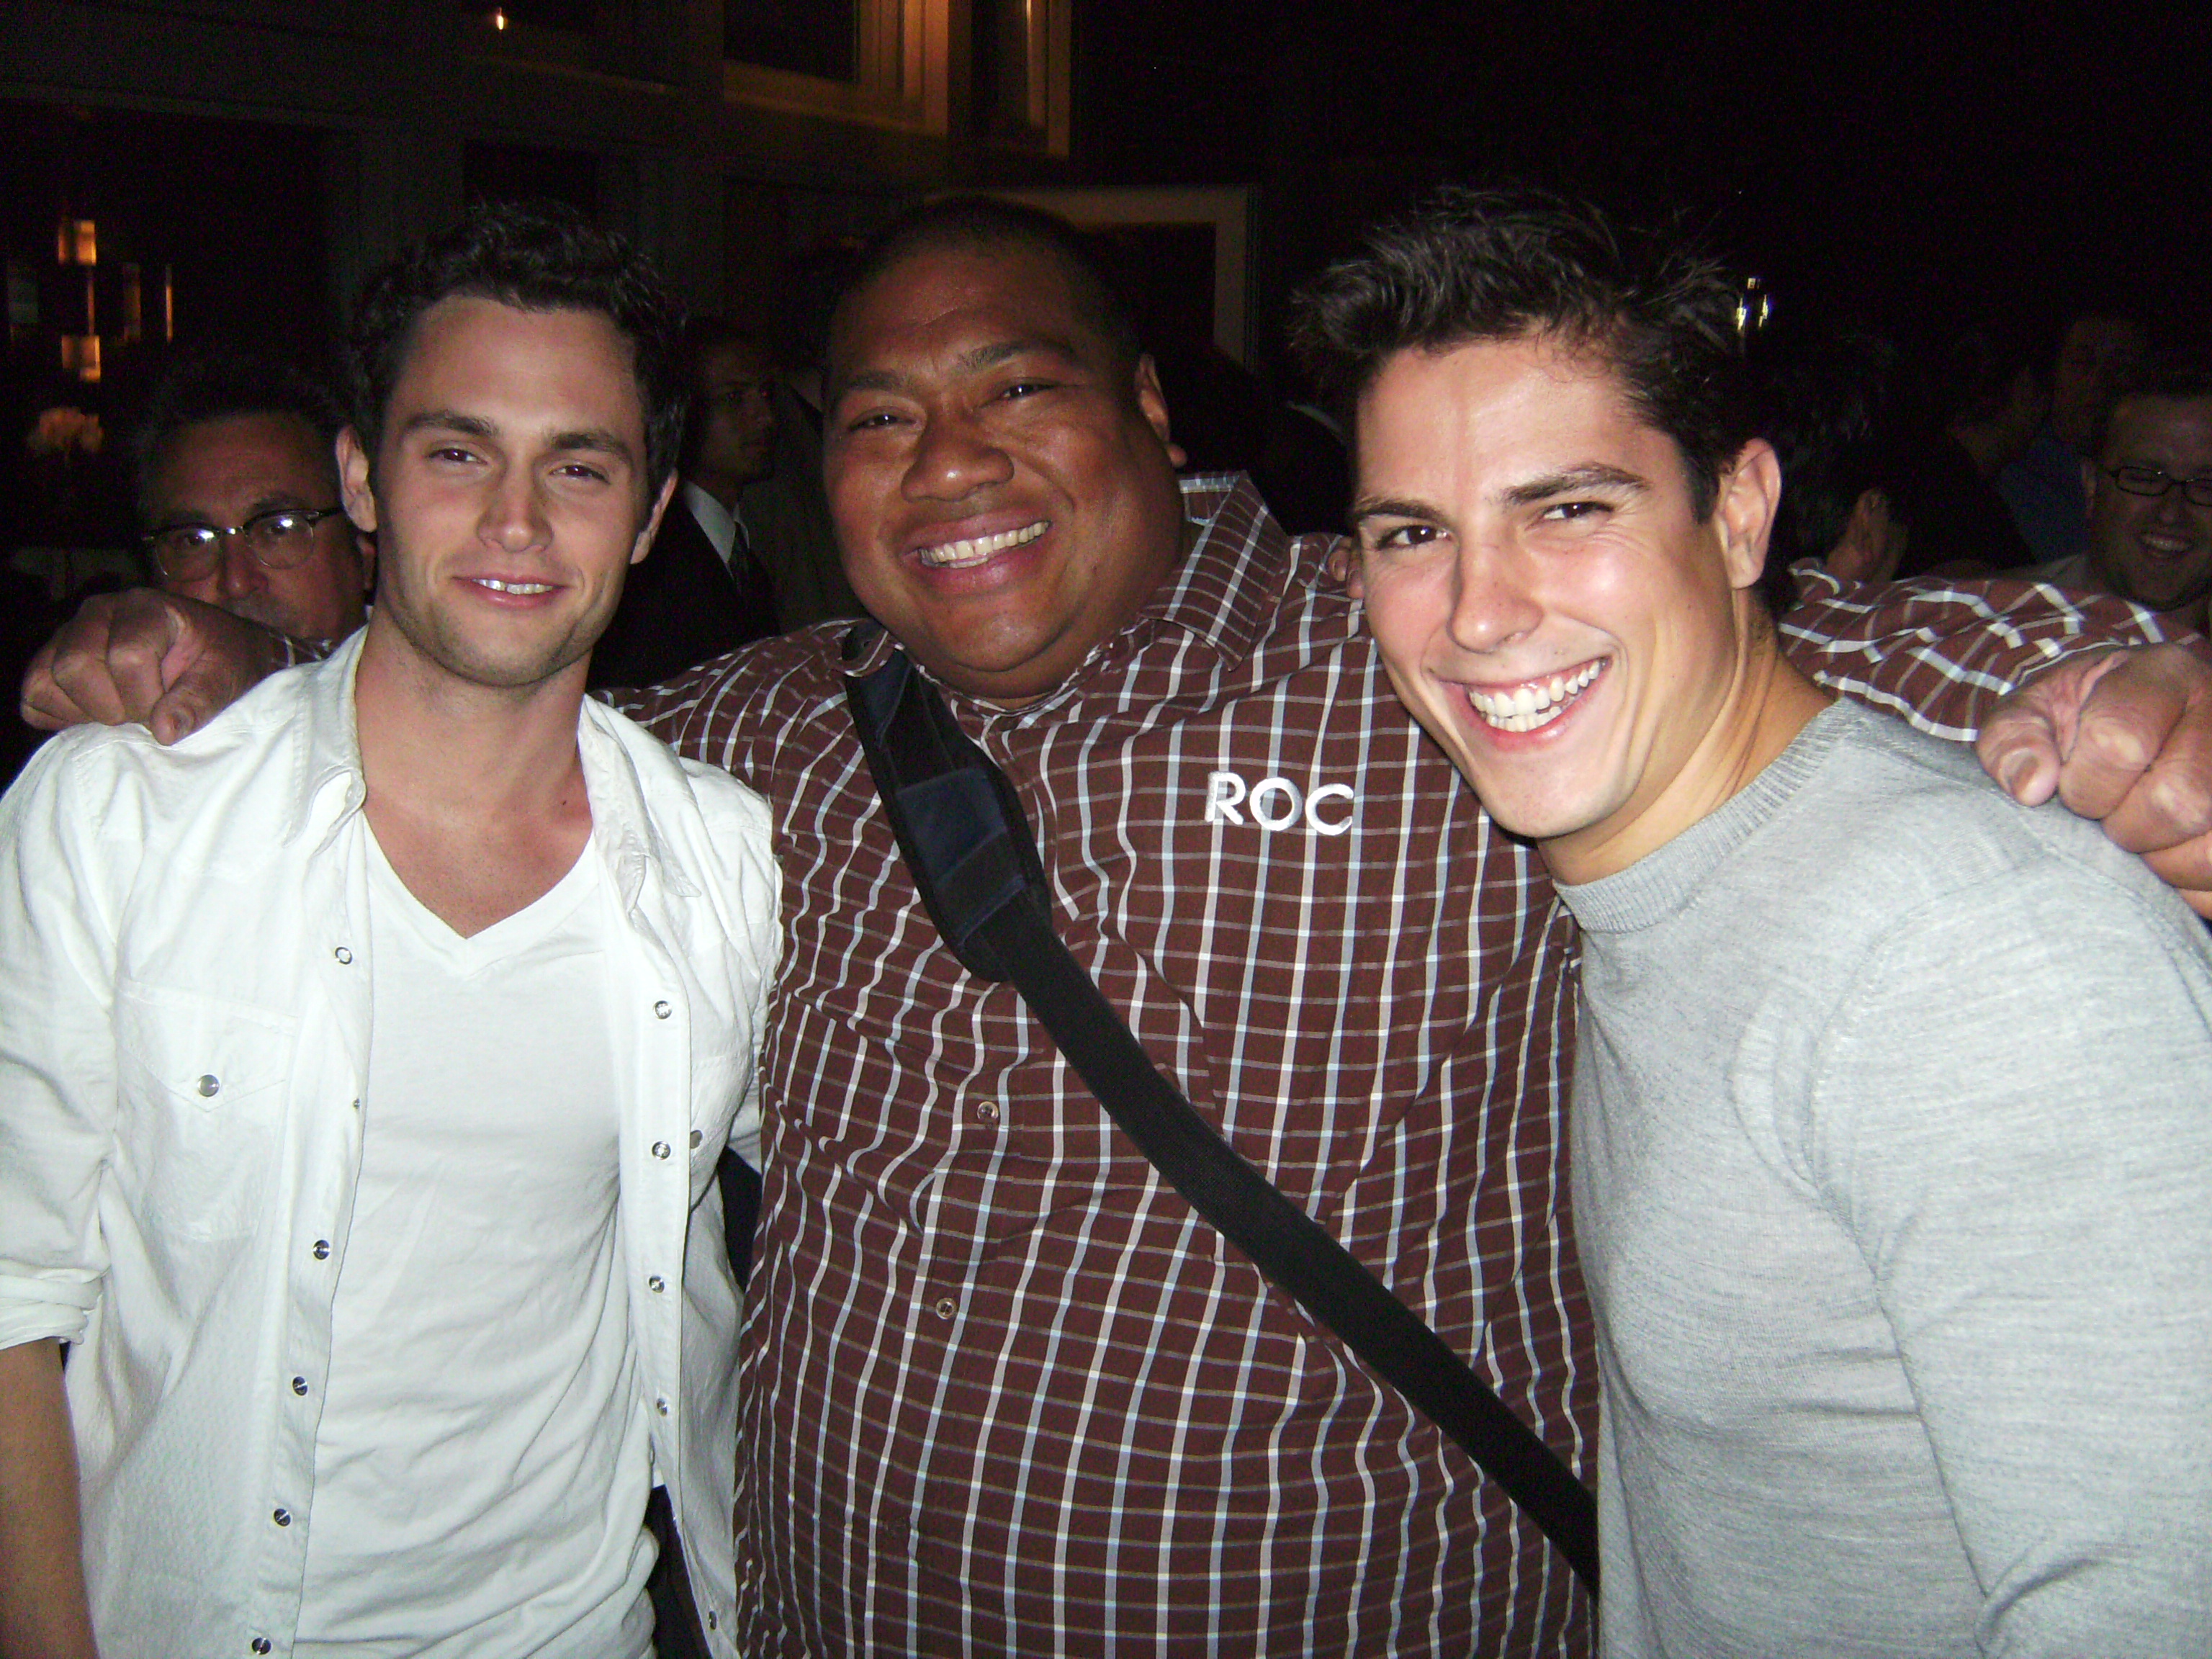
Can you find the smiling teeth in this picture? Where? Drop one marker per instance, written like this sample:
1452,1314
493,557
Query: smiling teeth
515,588
1525,707
955,555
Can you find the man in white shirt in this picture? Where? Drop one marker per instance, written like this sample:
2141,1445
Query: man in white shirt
364,1061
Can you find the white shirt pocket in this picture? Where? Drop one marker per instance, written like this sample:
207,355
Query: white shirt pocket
201,1083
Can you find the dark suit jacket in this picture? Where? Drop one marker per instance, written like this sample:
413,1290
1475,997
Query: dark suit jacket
681,607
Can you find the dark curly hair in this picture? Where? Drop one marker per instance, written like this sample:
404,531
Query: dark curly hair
534,256
1471,265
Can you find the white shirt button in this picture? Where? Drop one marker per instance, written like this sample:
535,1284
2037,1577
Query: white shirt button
322,1249
342,954
282,1517
209,1087
660,1149
661,1011
299,1385
697,1137
661,1406
656,1283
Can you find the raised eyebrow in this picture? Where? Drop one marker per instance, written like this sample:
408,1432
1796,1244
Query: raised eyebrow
971,361
449,420
596,440
1384,507
588,440
278,501
999,351
1596,475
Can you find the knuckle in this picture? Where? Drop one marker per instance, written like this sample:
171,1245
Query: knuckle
2117,738
2182,800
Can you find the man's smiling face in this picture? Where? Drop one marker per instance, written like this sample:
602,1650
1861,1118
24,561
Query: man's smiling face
2155,550
1547,602
999,474
510,494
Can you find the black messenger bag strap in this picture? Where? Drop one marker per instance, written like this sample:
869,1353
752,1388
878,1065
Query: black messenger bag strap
967,845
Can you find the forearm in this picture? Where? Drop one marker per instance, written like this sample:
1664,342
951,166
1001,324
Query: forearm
1942,653
44,1613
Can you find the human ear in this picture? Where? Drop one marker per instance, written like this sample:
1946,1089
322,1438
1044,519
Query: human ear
1751,491
356,489
1345,564
1153,402
644,543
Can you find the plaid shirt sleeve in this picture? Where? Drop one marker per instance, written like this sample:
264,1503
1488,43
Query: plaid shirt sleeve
1941,653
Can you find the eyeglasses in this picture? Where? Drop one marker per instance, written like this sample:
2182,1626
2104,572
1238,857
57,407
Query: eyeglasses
278,539
2150,481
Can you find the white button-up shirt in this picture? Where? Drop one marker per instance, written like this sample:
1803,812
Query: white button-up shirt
184,1028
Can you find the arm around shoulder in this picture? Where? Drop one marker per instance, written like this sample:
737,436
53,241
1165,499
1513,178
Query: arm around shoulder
169,662
1942,653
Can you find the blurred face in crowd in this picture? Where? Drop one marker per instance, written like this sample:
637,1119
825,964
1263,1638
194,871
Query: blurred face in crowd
1547,602
736,440
2155,550
999,474
2097,360
510,494
222,473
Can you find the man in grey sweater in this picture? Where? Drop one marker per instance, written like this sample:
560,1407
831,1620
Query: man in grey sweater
1893,1122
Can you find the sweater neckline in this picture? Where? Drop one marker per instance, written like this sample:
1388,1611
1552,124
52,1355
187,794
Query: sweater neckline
1661,884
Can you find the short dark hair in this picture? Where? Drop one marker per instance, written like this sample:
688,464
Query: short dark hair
1469,265
2176,376
534,256
986,221
221,383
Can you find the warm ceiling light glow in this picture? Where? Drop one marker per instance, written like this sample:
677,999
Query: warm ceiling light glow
498,17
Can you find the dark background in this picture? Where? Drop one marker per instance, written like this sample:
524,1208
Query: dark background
1920,168
1914,166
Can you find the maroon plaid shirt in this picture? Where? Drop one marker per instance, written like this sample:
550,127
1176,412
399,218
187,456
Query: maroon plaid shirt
1004,1393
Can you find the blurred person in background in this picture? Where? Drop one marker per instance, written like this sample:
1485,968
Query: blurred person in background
2099,356
2150,487
238,488
703,592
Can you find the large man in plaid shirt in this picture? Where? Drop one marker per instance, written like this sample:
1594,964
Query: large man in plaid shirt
1004,1393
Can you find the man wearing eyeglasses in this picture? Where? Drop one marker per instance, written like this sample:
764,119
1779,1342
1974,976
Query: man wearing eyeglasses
2149,484
238,484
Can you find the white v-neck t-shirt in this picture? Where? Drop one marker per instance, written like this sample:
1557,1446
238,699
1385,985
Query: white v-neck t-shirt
483,1461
